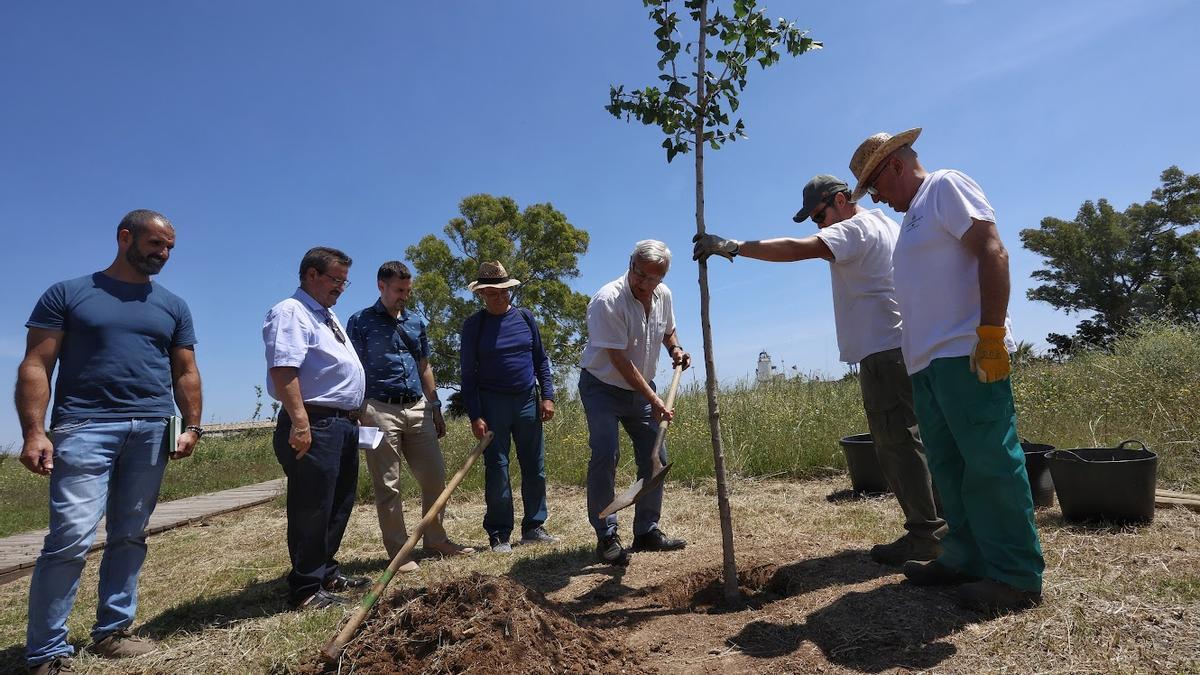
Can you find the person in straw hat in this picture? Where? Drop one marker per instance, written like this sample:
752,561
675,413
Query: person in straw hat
628,320
402,401
858,245
952,284
504,367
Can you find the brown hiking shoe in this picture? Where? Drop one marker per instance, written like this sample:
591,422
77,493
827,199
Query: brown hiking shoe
989,596
904,549
59,665
121,644
934,573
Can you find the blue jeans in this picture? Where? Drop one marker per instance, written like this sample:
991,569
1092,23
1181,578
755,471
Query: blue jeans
321,488
513,417
104,468
605,406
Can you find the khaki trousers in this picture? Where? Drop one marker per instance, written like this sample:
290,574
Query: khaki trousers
408,431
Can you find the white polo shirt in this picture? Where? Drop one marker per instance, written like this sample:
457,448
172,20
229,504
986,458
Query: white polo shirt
937,278
295,336
617,320
864,295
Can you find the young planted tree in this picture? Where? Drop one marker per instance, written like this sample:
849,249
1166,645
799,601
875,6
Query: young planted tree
745,37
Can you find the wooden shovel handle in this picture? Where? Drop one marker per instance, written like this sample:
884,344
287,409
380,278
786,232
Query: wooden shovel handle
655,462
333,649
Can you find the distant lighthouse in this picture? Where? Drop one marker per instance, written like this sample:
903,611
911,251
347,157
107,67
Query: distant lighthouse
764,368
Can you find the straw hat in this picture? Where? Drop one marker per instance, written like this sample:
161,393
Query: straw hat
492,275
873,151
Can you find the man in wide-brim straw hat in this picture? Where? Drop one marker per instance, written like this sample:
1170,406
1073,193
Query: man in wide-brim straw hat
504,367
952,283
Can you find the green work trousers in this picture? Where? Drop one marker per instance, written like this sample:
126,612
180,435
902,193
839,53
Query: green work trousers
970,435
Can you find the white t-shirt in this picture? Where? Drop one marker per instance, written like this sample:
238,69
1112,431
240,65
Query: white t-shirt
864,302
617,320
937,278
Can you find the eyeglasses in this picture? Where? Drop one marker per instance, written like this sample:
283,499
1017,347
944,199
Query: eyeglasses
337,332
818,217
344,283
654,278
871,189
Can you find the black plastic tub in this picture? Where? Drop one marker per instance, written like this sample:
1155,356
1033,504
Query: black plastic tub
1041,483
1110,484
866,477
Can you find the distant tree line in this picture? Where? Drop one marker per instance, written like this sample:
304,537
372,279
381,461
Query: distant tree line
1121,266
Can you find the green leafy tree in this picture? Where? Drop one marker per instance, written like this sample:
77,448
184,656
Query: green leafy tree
536,245
692,108
1121,266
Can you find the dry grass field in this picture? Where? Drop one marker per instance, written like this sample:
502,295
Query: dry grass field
1117,600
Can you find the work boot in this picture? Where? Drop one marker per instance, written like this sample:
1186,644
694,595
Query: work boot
538,535
499,544
904,549
989,596
121,644
934,573
656,540
609,550
59,665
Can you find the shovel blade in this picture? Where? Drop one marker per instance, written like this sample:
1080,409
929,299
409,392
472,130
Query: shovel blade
624,499
639,489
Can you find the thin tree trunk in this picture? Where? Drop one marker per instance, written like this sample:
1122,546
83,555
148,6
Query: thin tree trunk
730,585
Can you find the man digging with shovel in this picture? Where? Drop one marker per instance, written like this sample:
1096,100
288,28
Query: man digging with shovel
627,320
858,245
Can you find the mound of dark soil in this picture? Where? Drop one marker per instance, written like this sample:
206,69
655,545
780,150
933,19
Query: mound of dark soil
481,624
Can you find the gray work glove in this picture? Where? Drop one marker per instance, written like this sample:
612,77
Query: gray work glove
711,244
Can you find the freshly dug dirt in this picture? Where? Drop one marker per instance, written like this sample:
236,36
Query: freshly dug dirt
481,624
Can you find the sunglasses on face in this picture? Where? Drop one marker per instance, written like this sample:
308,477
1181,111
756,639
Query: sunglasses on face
820,216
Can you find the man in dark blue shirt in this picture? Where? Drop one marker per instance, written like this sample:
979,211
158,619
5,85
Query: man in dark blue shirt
503,359
124,348
394,348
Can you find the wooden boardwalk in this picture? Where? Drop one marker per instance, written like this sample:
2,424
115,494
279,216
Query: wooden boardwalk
19,552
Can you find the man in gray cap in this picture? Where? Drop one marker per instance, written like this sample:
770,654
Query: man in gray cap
858,245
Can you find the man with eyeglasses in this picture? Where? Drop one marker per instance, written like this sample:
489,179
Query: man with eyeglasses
394,348
628,320
314,372
858,245
952,284
124,348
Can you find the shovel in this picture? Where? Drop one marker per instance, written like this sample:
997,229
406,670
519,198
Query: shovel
658,472
333,649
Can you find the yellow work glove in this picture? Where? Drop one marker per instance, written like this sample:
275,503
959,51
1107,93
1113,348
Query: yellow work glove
989,358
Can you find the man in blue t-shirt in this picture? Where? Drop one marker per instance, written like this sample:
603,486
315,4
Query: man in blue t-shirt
124,347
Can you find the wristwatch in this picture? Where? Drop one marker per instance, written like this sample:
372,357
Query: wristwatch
198,430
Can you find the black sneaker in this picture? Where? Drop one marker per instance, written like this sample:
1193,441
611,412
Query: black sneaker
341,583
656,540
538,535
609,550
499,544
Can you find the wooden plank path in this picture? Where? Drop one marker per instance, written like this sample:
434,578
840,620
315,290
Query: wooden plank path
18,553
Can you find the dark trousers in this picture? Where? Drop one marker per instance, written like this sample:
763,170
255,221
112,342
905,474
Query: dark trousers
321,489
513,417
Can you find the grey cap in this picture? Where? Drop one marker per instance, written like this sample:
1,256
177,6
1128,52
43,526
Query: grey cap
819,188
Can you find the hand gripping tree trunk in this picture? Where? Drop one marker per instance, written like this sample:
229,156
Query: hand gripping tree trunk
746,35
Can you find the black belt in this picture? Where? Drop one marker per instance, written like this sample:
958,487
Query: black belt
321,412
407,399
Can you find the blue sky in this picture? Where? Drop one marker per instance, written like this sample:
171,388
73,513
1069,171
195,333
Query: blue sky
264,128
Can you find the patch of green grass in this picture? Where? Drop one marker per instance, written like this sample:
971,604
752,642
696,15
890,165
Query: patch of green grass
218,464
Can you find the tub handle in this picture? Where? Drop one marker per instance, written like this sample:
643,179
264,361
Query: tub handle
1056,454
1141,445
